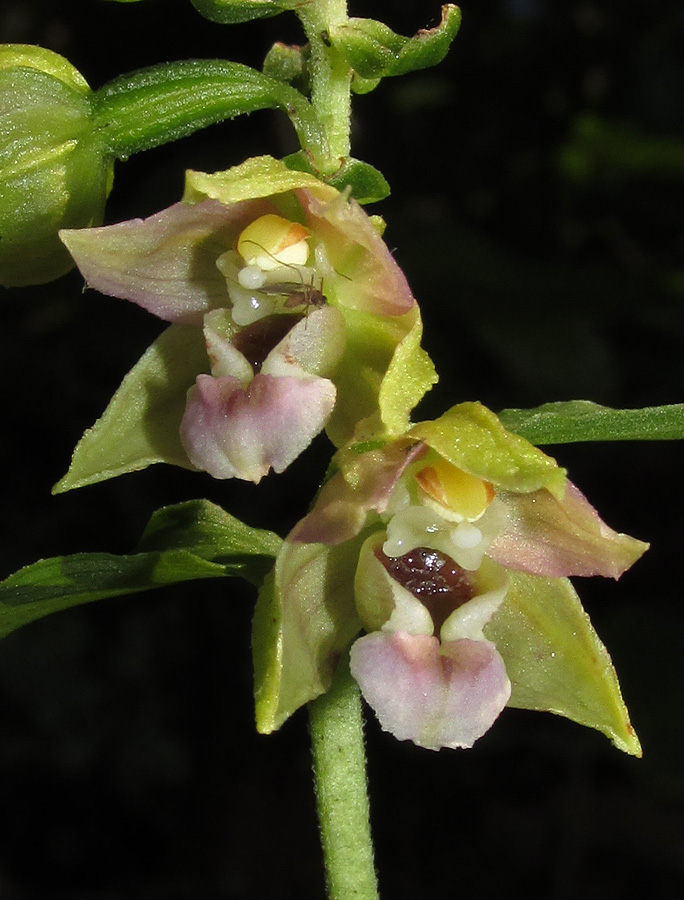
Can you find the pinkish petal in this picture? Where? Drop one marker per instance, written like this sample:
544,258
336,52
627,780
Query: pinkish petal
446,697
343,504
370,279
167,262
232,431
547,536
314,345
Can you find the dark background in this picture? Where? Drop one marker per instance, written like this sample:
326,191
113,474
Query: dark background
538,187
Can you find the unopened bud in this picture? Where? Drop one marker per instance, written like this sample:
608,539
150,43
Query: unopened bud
53,173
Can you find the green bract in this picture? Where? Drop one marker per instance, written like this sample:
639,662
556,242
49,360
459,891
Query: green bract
374,51
53,172
366,183
287,62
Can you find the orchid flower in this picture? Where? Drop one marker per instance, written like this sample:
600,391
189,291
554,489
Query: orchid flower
458,537
305,321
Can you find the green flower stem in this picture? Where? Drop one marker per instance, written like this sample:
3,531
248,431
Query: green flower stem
163,103
339,759
330,76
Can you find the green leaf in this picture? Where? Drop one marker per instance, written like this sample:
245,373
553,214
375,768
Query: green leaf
304,618
375,51
51,585
181,543
582,420
555,659
141,424
366,183
231,12
162,103
472,438
209,532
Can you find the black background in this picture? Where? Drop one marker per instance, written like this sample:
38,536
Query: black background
129,765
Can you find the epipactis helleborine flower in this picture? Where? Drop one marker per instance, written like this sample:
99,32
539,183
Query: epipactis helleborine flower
306,322
461,532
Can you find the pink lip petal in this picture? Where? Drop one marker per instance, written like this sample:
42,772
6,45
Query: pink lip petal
167,262
435,699
232,431
376,283
547,536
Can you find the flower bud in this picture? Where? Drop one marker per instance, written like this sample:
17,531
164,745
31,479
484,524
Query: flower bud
53,173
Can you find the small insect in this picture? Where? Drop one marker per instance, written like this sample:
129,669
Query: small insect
297,293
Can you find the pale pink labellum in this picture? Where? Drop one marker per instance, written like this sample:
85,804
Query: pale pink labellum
547,536
435,695
233,431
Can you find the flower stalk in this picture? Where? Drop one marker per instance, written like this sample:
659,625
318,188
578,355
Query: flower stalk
330,76
339,762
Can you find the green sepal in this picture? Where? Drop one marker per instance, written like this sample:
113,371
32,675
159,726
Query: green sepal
582,420
232,12
410,375
555,660
383,375
366,183
154,106
472,438
260,176
374,51
185,542
304,618
141,423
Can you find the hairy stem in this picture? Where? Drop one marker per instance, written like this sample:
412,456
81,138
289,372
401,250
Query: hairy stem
339,761
330,74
